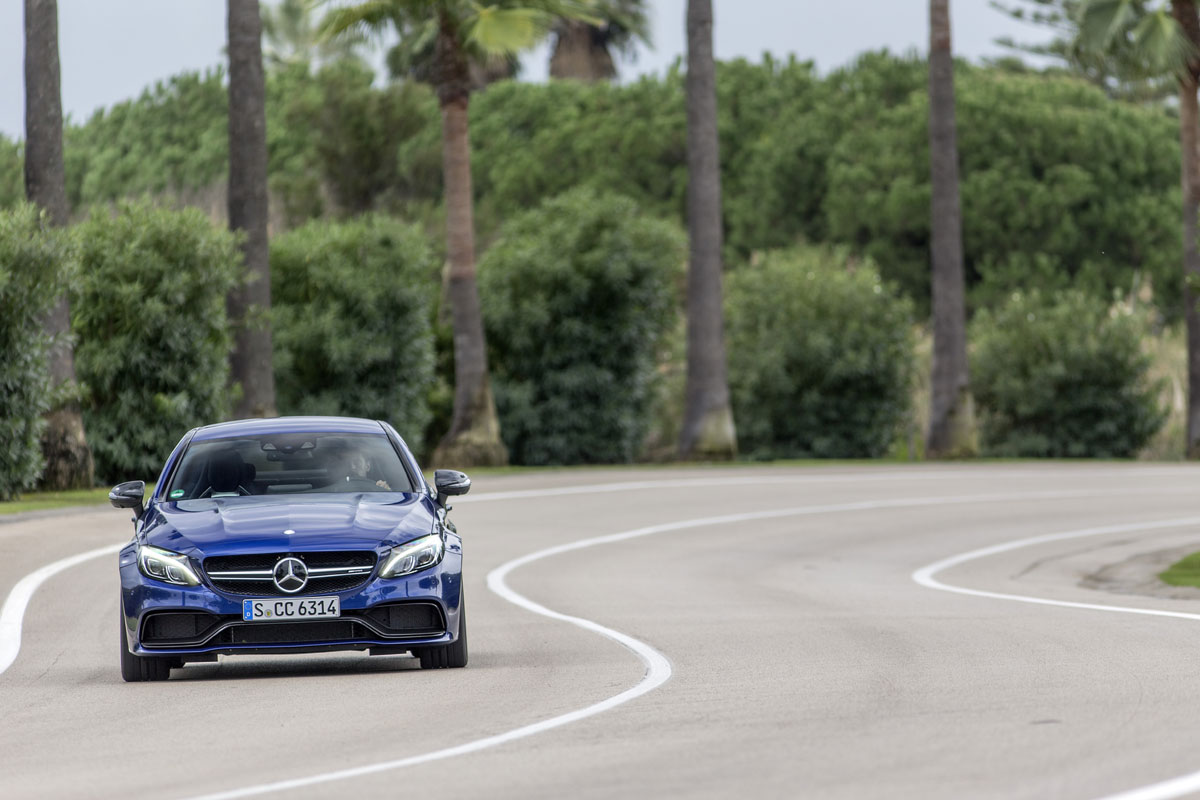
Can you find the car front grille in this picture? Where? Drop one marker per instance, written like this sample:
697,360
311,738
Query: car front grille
329,572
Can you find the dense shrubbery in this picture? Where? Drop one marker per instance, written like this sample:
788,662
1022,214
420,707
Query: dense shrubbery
352,321
149,313
174,136
1062,378
576,298
12,179
370,148
820,356
1060,186
33,262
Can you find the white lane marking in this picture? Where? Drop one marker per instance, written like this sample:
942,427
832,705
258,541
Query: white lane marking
14,606
656,672
904,474
1165,790
924,575
658,669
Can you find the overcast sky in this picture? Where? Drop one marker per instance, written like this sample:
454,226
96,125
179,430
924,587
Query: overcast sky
111,49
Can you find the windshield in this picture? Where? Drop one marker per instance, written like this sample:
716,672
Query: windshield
289,463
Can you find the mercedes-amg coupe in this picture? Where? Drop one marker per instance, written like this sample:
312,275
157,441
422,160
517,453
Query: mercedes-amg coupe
290,535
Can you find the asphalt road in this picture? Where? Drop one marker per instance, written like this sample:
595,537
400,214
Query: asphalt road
804,659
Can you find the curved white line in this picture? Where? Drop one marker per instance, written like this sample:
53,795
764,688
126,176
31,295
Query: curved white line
1171,788
14,606
658,669
896,475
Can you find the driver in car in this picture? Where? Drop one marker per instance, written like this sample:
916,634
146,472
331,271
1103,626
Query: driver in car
357,467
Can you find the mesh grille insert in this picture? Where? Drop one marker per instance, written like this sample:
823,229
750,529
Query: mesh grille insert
407,618
293,632
177,627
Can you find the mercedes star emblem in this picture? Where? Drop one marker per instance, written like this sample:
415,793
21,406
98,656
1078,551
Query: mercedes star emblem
290,574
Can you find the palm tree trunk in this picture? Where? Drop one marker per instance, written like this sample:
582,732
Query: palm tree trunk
950,407
474,436
580,54
1188,120
1186,15
708,430
249,303
64,445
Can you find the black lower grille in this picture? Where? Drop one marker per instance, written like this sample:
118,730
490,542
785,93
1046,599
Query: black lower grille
177,627
397,618
293,633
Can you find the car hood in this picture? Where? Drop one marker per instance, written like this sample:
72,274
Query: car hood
272,524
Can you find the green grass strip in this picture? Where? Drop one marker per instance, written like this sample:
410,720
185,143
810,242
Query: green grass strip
1185,572
44,501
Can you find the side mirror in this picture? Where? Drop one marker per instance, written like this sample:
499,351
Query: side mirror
450,482
129,495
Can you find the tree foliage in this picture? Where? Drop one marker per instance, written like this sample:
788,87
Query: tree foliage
1060,187
577,295
1062,377
148,309
820,356
12,172
1121,71
34,262
353,321
292,36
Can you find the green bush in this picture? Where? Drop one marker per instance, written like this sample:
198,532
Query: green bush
1060,187
577,295
33,263
175,136
149,313
1062,378
353,321
12,172
821,356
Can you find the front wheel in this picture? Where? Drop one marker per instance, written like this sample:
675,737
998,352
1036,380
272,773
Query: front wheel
143,668
449,655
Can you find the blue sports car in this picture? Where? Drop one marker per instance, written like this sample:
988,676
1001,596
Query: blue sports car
290,535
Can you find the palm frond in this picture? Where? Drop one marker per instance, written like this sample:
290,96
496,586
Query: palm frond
497,30
368,17
1101,22
1162,42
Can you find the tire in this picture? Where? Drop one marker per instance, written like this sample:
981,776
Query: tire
453,655
140,668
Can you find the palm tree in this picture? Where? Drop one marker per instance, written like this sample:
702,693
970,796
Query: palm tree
950,404
250,363
1165,40
708,430
584,51
461,31
64,445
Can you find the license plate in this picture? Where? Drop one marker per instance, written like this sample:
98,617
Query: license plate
270,609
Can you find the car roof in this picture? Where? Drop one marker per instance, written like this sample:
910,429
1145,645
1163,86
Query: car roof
259,426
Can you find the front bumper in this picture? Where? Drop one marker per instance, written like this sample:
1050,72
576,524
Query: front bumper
382,615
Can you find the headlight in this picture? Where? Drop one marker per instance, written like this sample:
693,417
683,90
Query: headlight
164,565
414,556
